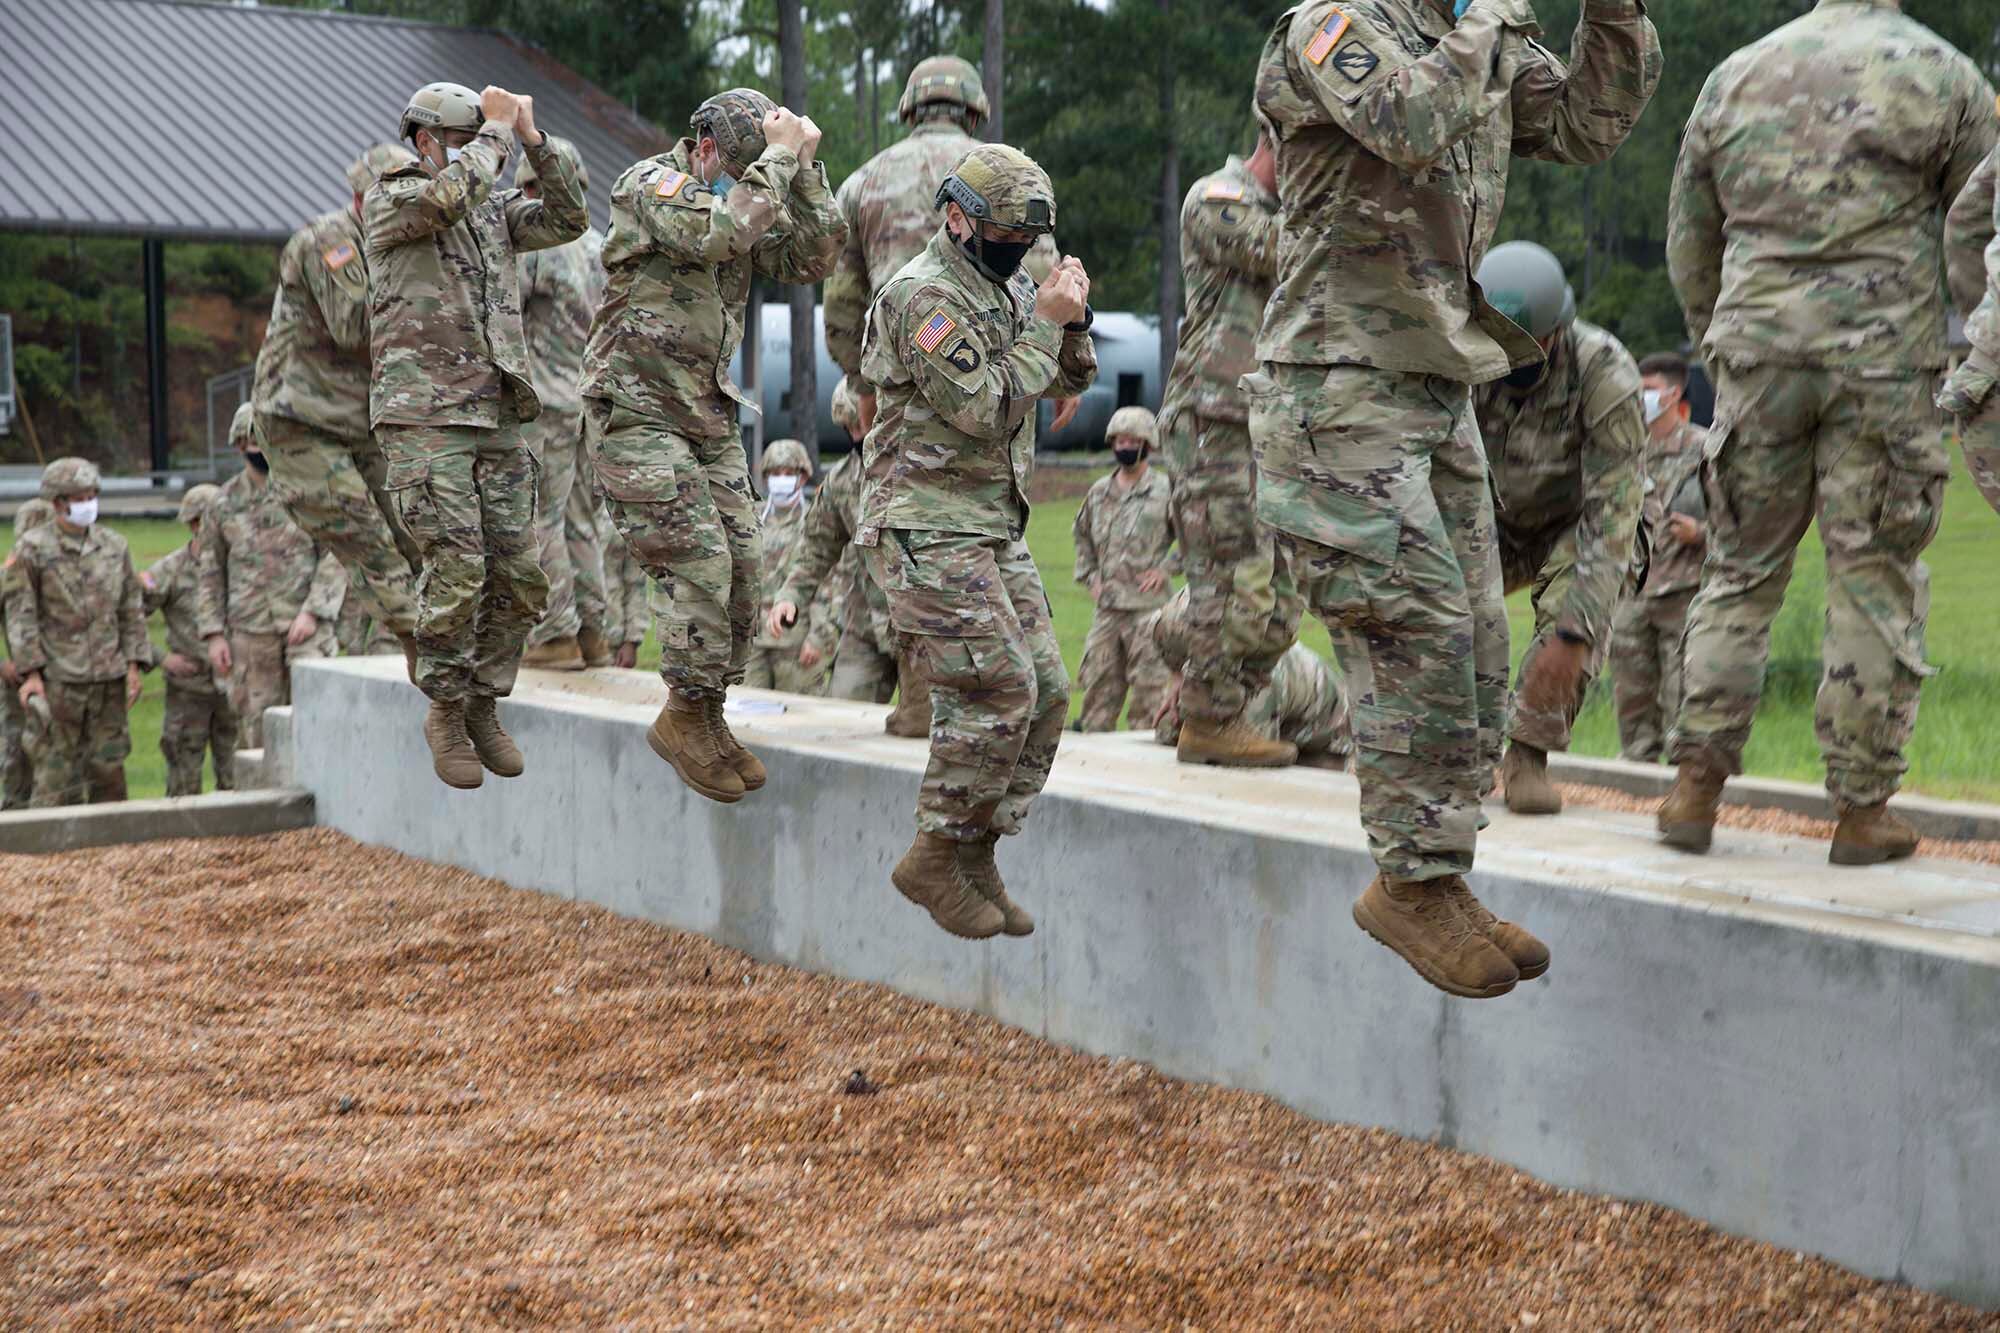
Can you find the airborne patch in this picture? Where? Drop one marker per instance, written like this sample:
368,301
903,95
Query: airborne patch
1356,61
1327,38
1225,190
340,256
935,330
670,184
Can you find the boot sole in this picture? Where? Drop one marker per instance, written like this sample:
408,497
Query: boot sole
1366,920
498,771
1211,761
1852,854
1527,809
473,785
938,921
719,795
1538,970
905,734
1688,837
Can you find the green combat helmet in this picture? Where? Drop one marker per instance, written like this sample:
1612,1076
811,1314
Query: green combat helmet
1000,186
442,106
31,515
786,453
944,79
526,175
846,405
196,502
377,162
735,120
1524,282
1134,421
69,476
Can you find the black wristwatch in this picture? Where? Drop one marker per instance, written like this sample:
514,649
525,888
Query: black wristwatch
1082,325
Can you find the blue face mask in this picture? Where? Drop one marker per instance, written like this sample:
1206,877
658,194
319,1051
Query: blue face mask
1459,11
722,185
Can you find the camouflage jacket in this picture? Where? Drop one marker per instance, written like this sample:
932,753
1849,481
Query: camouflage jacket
1394,129
1304,702
679,260
1672,485
1803,228
560,291
959,362
313,366
444,297
258,568
79,616
779,537
825,557
625,612
1972,241
172,587
1120,533
1229,259
1567,455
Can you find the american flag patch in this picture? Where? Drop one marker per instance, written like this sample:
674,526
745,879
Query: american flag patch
934,330
670,184
340,256
1328,37
1224,190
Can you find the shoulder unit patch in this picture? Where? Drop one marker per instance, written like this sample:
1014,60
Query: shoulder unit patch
1356,61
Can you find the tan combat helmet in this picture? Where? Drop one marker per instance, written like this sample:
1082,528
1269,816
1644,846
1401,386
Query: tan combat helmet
526,175
377,162
31,515
735,120
846,405
1134,421
1002,186
785,453
69,476
442,106
242,427
195,504
946,80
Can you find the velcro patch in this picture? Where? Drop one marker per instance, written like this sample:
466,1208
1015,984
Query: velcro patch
340,256
670,184
1328,37
1356,61
1224,190
935,330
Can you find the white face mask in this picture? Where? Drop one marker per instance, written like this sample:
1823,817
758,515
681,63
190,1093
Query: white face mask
782,485
83,513
1654,404
451,155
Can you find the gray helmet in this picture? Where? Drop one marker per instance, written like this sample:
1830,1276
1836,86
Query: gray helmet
735,120
242,427
786,453
1135,421
525,173
1524,282
943,79
195,503
442,106
846,404
69,476
377,162
32,514
1002,185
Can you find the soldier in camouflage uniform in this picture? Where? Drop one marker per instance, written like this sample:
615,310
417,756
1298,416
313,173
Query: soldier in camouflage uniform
17,768
1804,240
689,228
199,720
1647,628
1394,125
1124,535
311,399
625,603
786,659
77,631
1564,440
1302,705
960,346
1972,255
269,593
560,291
452,397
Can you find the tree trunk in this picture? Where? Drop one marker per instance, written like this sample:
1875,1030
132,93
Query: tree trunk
995,64
1170,211
874,101
860,89
804,393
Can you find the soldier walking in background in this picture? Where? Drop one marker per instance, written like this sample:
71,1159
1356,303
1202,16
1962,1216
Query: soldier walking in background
960,346
1804,240
77,631
269,593
199,720
1394,126
785,659
17,768
311,400
689,227
560,291
451,397
1564,440
1646,631
1972,256
1124,535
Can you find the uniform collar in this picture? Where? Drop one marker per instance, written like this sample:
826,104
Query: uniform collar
950,127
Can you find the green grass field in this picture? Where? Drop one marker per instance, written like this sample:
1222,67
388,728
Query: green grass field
1955,753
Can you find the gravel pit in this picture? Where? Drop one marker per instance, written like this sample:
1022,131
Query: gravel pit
299,1081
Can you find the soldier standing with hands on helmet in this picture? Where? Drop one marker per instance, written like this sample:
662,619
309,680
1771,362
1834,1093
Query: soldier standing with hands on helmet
1124,535
960,346
452,393
689,228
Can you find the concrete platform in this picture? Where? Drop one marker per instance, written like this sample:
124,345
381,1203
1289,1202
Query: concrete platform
1798,1053
222,814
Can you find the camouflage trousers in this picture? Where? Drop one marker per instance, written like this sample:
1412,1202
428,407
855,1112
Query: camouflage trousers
1979,436
198,723
359,634
684,508
1376,482
586,559
1646,671
777,668
557,439
17,770
1241,608
334,490
972,614
260,676
864,664
1119,657
79,749
1545,563
468,497
1866,458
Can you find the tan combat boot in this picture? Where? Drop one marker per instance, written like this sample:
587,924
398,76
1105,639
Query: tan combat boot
452,756
1687,816
1524,774
1424,922
496,749
596,652
976,859
1326,759
1232,744
911,717
932,876
681,736
749,768
1869,835
1528,955
409,642
555,655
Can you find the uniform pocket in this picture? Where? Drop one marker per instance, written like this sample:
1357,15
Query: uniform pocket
1913,492
940,592
1384,730
637,483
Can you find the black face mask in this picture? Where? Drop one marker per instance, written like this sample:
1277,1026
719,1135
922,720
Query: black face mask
998,260
1126,457
258,461
1527,377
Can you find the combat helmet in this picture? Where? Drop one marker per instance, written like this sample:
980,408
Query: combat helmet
846,405
1135,421
735,120
69,476
377,162
786,453
1524,282
526,175
196,502
1003,186
32,514
242,427
442,106
944,79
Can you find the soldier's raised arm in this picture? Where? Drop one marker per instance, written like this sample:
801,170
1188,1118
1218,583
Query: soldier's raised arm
1224,230
558,215
1581,114
807,240
408,203
978,395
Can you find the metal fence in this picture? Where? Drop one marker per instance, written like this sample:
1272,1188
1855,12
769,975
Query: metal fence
6,374
226,393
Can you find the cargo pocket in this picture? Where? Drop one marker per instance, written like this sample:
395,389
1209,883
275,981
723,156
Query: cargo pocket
1384,730
1913,493
407,482
930,596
